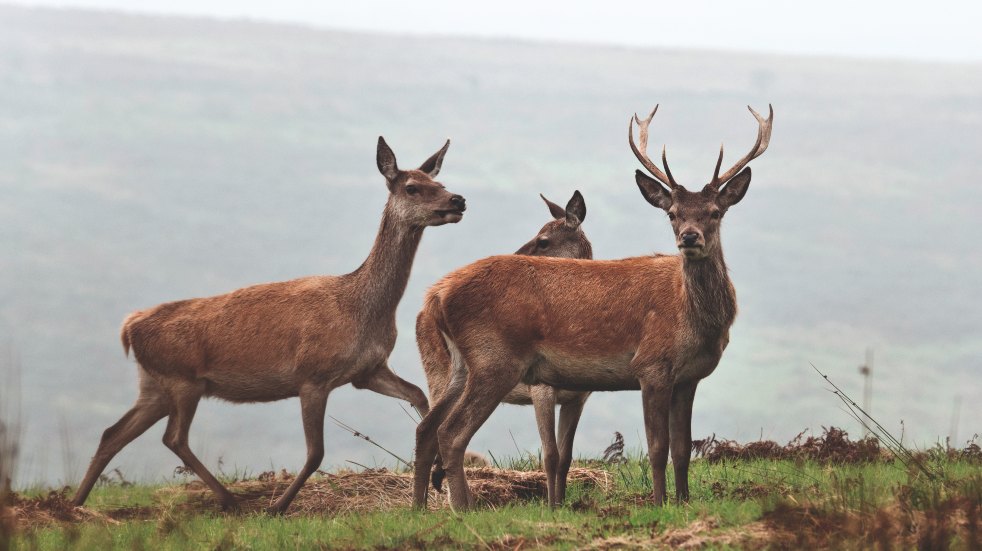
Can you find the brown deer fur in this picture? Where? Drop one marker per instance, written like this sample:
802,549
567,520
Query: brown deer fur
658,324
268,342
562,237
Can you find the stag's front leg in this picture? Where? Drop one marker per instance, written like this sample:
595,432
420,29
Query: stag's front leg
544,402
313,404
657,396
569,418
384,381
681,436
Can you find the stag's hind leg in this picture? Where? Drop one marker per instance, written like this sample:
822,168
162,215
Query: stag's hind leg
185,397
151,406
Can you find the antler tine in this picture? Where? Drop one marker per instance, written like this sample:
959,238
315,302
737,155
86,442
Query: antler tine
763,139
719,162
668,171
641,152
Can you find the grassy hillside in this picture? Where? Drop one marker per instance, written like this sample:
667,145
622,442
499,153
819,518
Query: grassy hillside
147,159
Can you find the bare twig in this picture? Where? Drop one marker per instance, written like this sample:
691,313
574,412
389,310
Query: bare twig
876,429
368,439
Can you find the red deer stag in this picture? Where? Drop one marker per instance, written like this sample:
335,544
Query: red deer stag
655,323
562,237
268,342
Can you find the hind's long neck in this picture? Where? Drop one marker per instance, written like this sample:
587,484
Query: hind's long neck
381,280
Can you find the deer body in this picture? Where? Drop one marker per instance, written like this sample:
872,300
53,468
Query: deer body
303,337
564,238
656,324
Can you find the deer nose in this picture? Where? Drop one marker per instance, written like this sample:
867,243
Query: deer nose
458,202
689,239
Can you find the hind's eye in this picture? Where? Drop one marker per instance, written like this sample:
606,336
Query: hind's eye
543,243
411,189
671,216
714,215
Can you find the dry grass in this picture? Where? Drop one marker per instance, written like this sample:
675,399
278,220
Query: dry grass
381,489
326,494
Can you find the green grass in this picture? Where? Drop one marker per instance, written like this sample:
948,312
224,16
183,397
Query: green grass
727,497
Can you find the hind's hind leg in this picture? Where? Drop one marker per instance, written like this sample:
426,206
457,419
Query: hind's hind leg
151,406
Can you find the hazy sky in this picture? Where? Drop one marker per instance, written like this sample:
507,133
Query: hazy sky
939,30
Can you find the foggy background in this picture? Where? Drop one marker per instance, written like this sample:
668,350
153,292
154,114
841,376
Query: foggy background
147,158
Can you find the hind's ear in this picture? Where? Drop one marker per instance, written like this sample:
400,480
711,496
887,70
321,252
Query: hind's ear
555,210
432,165
575,210
386,161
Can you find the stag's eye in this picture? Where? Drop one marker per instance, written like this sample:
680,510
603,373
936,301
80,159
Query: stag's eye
411,189
714,215
543,243
671,216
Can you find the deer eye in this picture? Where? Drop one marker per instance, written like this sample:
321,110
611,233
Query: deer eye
671,216
714,215
411,189
543,243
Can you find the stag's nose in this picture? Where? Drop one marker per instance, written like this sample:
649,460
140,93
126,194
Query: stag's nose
458,202
689,239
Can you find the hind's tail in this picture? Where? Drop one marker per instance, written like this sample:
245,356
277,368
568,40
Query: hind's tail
124,332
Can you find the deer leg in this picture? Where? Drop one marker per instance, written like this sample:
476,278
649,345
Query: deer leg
313,404
657,399
427,448
150,407
185,404
680,420
384,381
569,418
483,392
544,402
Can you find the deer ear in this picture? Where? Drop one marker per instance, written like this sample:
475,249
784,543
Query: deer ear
575,210
386,161
735,189
653,191
432,165
555,210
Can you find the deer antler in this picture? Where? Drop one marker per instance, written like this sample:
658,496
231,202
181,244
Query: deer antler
763,138
642,152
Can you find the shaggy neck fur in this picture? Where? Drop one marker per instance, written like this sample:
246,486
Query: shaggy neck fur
710,300
381,280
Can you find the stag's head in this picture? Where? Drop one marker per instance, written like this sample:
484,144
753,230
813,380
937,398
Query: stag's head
414,195
696,215
562,237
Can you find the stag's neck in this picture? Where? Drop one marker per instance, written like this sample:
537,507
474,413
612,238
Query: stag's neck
380,281
710,302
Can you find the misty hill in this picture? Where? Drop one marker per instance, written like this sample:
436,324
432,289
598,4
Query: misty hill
146,159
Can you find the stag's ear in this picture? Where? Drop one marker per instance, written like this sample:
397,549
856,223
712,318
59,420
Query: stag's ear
653,191
734,190
386,160
575,210
555,210
432,165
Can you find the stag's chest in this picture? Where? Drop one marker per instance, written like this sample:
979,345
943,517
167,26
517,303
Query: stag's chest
699,356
